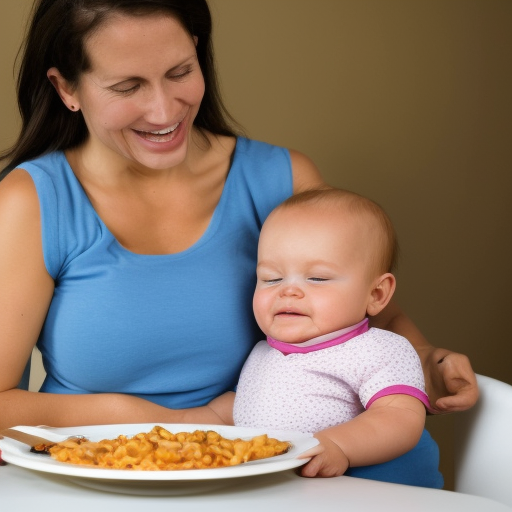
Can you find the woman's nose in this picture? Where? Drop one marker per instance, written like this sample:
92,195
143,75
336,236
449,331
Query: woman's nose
159,106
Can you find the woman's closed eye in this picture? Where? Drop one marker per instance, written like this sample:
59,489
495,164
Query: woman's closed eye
125,88
179,74
130,86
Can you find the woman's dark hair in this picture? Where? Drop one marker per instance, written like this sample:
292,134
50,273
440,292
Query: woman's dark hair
56,38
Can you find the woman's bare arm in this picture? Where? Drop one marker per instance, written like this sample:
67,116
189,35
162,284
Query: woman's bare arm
32,408
26,288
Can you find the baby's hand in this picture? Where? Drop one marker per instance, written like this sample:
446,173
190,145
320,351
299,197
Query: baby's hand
328,459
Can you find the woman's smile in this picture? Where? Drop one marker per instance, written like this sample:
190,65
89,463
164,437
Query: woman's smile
164,135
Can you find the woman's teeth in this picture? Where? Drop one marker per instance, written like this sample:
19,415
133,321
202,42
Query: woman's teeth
164,135
165,131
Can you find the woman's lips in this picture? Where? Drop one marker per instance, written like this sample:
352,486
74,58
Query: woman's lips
164,135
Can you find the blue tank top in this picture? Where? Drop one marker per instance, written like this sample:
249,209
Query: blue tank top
174,329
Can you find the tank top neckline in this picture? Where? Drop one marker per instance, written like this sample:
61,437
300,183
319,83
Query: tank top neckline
208,233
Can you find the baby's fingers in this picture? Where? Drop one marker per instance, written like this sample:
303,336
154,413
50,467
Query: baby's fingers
322,467
312,468
316,450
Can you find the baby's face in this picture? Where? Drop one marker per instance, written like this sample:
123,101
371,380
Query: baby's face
313,275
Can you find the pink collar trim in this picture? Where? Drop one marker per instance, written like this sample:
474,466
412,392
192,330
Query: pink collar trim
327,340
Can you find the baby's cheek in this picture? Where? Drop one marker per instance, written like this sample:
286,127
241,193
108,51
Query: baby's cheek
261,309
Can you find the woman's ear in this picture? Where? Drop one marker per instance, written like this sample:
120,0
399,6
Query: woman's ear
65,91
381,293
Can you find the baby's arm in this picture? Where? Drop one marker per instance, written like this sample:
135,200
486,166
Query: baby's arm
389,428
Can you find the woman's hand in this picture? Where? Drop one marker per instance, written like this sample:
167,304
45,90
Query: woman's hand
450,381
328,459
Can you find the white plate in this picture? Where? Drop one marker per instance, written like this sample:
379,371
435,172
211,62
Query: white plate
159,482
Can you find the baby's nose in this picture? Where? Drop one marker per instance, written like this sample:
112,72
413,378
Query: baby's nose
292,289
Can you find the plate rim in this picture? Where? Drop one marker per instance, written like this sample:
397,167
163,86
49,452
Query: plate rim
19,454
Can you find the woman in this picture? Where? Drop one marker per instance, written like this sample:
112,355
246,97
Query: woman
130,221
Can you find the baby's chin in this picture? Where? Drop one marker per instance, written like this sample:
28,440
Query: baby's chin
292,340
294,330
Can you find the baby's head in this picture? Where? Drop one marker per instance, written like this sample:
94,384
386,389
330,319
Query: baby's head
325,259
370,227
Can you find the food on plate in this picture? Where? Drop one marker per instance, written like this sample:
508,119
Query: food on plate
160,449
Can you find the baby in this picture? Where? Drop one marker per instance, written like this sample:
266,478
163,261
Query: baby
324,265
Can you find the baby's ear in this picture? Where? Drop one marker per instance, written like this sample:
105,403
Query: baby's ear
381,293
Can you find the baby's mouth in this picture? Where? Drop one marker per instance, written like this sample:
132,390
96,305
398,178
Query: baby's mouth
289,313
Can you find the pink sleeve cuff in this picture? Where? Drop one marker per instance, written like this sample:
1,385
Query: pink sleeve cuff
400,390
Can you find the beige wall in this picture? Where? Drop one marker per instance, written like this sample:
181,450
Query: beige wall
12,16
406,101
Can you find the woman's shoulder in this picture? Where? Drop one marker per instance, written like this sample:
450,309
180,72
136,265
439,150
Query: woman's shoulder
45,193
23,190
261,149
19,215
52,163
18,195
27,175
304,171
35,182
306,175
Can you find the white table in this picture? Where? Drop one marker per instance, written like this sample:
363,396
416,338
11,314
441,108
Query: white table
23,490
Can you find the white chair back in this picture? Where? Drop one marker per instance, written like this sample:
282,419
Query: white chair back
483,443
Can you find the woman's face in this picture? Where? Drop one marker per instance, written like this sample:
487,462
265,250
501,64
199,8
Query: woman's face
143,90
